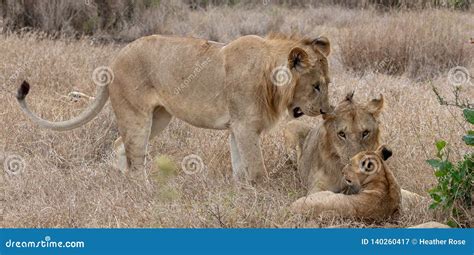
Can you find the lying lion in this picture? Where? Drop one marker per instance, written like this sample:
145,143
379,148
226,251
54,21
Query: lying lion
245,86
373,190
324,150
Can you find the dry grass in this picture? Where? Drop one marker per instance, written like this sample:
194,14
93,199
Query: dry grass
422,44
68,181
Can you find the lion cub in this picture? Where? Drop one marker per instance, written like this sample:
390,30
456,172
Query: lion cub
373,190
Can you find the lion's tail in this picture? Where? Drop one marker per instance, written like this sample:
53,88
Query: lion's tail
87,115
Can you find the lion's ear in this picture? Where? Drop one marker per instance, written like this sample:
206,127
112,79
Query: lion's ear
375,106
384,152
322,44
298,59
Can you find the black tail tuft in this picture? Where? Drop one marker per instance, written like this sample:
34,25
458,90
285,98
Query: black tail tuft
23,91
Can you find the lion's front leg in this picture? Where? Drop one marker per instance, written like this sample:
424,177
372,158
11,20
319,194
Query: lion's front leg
234,153
325,202
249,160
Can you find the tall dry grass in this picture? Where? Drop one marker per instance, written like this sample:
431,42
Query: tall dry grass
68,180
422,44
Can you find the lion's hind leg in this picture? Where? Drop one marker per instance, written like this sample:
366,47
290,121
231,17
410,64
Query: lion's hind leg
134,126
120,156
161,119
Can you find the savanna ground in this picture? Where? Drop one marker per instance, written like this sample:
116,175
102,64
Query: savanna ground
67,179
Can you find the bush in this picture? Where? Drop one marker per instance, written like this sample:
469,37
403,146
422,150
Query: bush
454,192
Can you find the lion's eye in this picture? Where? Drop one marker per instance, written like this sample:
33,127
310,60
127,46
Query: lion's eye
365,133
317,87
341,135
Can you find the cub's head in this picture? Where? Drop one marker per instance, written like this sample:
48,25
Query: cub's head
353,127
364,168
309,67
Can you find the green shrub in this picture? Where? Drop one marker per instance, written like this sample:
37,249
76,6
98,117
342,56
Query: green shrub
454,192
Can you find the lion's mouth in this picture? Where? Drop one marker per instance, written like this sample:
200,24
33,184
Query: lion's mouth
297,112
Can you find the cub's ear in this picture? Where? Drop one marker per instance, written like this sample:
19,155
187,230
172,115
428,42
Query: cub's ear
298,59
384,152
375,106
322,44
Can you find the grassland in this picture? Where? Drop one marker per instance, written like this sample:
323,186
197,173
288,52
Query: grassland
67,179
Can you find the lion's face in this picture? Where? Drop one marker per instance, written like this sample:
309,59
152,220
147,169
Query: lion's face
364,168
311,95
310,67
353,127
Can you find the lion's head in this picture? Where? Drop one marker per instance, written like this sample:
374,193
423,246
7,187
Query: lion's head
365,167
309,62
353,127
302,81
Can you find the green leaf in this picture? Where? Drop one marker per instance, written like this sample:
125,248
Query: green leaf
452,224
435,163
436,197
469,139
434,205
440,145
456,176
469,115
445,165
440,173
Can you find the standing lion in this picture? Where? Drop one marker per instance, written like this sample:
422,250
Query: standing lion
245,86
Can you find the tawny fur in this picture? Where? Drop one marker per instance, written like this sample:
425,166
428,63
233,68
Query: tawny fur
322,154
209,85
378,193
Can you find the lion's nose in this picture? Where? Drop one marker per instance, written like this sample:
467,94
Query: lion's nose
321,111
349,182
